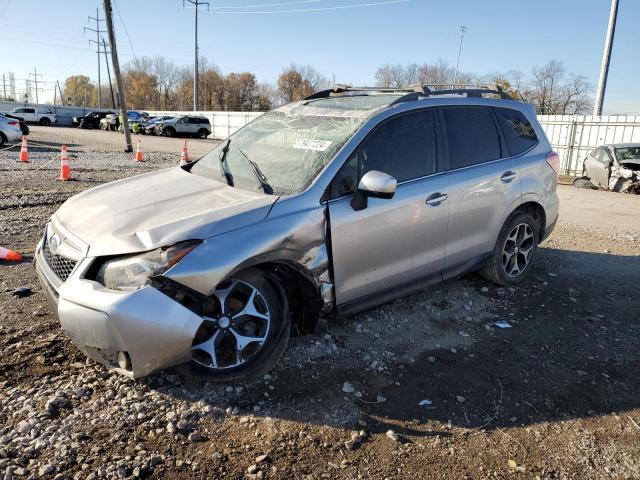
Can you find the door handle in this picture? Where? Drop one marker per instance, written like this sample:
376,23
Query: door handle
508,176
436,199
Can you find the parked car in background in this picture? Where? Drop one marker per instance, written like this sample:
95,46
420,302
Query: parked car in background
615,167
9,130
24,128
112,121
149,128
192,126
326,206
91,120
34,115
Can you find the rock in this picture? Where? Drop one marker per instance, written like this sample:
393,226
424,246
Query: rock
253,469
46,470
484,290
232,410
431,359
171,428
512,464
392,435
21,292
381,398
424,403
21,471
347,387
195,437
356,438
184,425
460,399
24,426
262,458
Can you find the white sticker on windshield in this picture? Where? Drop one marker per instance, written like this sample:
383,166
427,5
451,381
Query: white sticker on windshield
318,145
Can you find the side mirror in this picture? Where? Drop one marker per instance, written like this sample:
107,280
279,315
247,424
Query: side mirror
373,184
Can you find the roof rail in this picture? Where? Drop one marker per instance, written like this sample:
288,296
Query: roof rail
468,89
339,88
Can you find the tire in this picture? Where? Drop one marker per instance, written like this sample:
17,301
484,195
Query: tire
45,121
169,132
3,139
90,126
203,133
261,356
528,231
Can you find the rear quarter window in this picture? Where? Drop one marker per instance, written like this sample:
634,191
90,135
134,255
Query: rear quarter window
518,131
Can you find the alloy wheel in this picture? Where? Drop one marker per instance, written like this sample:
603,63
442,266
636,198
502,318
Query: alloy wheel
238,330
517,250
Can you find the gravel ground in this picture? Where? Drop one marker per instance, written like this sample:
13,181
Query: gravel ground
424,387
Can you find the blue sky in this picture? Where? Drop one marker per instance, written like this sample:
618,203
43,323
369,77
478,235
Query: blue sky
350,43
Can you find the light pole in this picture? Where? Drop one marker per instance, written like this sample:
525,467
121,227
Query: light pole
462,29
606,57
195,3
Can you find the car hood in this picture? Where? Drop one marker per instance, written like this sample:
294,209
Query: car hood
156,209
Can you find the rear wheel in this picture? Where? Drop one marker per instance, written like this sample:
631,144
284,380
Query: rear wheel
514,251
3,139
45,122
203,133
90,126
247,334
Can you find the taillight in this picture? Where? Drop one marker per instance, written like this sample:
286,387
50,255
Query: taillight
553,159
14,123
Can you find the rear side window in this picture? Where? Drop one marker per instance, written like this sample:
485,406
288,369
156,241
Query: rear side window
403,147
472,136
518,131
29,110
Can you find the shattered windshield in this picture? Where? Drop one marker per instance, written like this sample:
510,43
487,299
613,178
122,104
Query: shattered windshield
288,150
628,153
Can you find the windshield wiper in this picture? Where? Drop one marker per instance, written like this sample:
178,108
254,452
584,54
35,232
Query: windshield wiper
258,173
224,167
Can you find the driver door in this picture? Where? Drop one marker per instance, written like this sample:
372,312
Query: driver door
394,242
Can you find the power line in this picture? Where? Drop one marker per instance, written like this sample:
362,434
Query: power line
312,10
282,4
126,31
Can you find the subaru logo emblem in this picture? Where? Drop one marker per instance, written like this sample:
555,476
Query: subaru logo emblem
54,243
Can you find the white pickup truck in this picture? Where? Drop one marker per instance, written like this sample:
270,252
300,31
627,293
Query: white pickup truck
33,115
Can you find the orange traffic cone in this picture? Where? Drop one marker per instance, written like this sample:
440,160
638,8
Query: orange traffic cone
184,158
10,255
65,166
139,153
24,154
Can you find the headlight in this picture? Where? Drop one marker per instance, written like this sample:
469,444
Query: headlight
131,273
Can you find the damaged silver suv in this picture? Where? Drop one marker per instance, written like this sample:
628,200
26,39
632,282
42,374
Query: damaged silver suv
323,207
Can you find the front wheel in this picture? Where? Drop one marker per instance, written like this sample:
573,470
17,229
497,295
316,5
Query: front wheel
3,139
514,251
247,334
169,132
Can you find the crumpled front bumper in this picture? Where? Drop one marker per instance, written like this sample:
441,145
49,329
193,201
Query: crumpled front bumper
146,327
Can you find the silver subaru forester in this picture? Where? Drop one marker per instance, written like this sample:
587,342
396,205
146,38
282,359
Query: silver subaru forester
321,208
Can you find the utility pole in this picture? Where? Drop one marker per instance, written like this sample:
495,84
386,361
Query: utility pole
97,42
462,29
60,90
606,58
113,99
116,71
195,3
4,87
35,80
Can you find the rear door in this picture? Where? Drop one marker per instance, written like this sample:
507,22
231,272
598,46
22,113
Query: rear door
392,242
30,115
483,184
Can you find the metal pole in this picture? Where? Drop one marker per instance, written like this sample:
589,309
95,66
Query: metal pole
606,57
113,99
4,86
195,66
116,71
35,79
98,45
462,29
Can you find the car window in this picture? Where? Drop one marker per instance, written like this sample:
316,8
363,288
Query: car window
517,130
29,110
403,147
19,110
472,136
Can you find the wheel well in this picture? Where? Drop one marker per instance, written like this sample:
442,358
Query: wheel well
300,292
537,212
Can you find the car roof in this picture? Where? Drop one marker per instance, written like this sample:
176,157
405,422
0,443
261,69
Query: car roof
622,145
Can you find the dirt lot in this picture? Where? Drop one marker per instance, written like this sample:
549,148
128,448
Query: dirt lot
555,396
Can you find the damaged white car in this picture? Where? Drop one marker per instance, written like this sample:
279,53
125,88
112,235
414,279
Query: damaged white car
615,167
323,207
